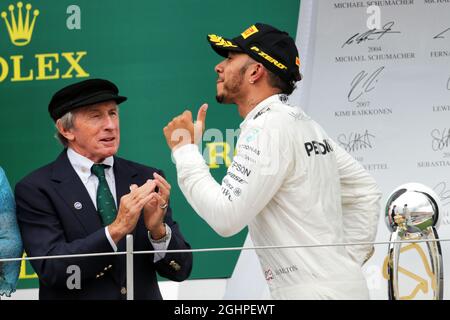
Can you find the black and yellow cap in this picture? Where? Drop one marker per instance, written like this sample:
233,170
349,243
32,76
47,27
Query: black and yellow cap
275,49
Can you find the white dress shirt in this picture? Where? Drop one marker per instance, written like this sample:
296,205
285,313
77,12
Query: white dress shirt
82,166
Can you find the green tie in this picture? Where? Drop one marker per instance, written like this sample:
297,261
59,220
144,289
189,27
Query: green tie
106,206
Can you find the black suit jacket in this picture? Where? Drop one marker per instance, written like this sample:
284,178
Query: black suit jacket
52,223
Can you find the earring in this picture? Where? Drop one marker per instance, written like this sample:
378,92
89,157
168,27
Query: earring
252,82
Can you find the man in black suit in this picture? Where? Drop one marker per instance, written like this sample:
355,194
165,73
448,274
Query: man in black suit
88,200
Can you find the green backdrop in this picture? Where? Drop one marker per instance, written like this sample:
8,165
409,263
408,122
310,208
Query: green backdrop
156,52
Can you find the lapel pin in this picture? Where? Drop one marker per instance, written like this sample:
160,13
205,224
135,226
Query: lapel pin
77,205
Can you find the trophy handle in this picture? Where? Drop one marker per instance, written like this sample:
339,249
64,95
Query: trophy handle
435,253
392,266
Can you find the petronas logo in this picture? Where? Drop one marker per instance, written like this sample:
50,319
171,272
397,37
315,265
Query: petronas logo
20,29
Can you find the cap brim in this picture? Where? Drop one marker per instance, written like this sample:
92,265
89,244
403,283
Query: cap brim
222,46
103,97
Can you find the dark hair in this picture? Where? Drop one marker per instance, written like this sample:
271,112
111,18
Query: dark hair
276,82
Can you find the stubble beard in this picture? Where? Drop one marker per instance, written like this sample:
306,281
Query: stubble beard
231,89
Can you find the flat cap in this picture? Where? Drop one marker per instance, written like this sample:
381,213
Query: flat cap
82,94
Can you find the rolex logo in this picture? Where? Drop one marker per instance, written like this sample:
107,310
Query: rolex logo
20,30
21,67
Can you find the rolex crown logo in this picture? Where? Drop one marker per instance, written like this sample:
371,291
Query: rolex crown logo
20,31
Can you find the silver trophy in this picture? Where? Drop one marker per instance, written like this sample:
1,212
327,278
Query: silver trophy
412,213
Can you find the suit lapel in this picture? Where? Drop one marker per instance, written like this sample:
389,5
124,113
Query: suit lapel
72,190
125,175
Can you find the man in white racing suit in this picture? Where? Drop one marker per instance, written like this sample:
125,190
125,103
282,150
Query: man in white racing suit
288,182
